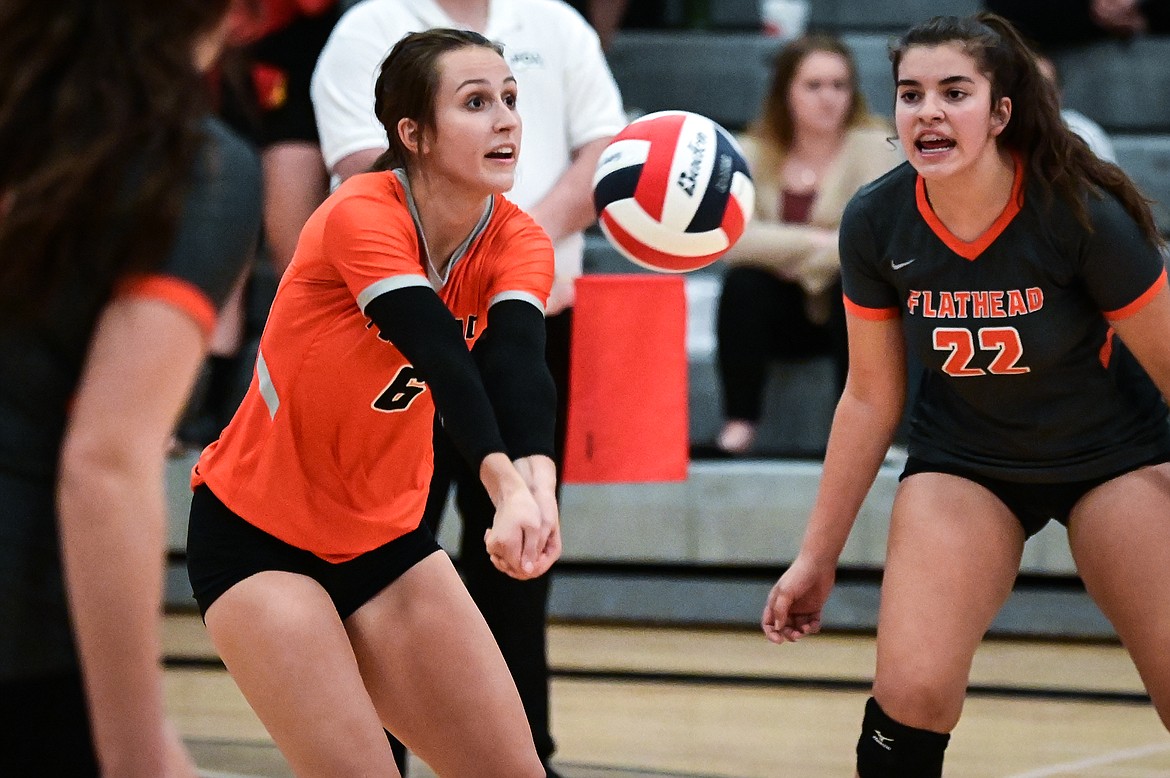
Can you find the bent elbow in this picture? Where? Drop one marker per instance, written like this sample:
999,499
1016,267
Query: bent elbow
92,465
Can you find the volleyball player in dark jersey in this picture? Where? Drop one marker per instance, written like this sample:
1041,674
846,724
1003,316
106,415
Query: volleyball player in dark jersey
1025,274
125,217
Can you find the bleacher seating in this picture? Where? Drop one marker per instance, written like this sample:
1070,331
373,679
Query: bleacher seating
720,75
1146,158
735,15
725,75
799,401
871,51
1123,86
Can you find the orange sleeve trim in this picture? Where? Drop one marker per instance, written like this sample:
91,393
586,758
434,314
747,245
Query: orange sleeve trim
1106,352
971,250
1141,302
872,314
184,295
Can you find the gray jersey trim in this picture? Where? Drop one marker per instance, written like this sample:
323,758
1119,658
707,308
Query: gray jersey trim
438,280
390,284
527,297
267,389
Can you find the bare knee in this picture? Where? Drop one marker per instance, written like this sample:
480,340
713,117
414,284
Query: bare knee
920,704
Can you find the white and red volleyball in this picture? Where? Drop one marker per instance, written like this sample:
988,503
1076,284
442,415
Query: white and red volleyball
672,191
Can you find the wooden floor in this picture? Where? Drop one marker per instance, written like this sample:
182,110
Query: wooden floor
677,702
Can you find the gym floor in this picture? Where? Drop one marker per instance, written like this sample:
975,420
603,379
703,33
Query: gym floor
673,702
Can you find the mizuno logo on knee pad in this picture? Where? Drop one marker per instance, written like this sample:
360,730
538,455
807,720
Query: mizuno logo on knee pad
882,740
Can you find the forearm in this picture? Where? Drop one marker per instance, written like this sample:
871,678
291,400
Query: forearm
500,478
539,471
112,537
777,247
568,207
510,357
357,162
142,362
861,435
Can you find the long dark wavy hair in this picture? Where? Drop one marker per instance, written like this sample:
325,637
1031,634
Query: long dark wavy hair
100,102
408,81
1057,159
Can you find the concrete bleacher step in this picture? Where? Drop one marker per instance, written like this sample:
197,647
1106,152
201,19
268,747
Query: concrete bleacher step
705,550
726,513
1036,608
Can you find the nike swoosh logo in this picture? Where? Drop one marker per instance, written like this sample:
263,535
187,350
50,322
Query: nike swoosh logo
900,265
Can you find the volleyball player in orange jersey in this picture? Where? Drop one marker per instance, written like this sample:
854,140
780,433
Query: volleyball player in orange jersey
414,287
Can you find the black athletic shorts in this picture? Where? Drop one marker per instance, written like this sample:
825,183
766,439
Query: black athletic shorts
1033,504
223,549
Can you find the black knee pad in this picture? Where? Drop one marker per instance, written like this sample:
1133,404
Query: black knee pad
888,749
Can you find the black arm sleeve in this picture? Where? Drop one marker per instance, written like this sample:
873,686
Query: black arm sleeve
421,327
510,356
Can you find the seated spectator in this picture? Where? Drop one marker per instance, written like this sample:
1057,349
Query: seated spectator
813,145
1089,131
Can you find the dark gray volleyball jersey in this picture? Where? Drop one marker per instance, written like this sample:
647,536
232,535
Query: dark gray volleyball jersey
41,361
1024,379
41,364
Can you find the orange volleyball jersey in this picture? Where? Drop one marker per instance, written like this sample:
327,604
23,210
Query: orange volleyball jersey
330,450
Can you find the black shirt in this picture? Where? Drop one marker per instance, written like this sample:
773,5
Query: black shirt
40,366
1024,379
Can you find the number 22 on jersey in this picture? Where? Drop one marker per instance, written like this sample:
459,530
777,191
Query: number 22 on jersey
960,342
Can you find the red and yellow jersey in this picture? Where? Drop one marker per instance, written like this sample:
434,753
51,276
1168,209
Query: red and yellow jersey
330,450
